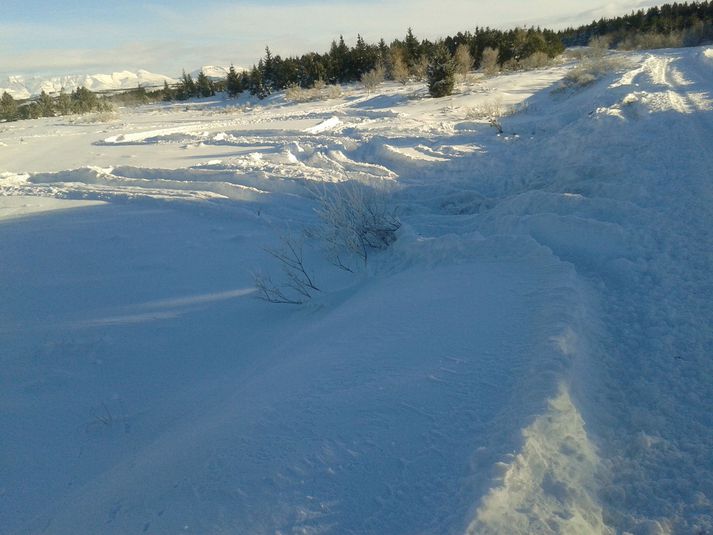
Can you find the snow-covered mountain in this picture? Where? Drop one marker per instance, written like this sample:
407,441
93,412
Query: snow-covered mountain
27,86
212,71
216,72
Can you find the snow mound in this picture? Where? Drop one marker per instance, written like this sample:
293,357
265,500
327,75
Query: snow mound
324,126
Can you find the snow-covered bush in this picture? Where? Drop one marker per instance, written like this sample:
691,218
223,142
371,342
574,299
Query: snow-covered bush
295,93
319,91
464,60
332,91
489,61
651,40
372,79
355,220
537,60
95,118
591,68
488,109
399,69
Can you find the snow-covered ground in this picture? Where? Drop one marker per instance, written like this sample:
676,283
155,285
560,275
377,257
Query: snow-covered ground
532,355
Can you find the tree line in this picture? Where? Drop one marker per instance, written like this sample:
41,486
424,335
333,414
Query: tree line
79,101
400,60
677,24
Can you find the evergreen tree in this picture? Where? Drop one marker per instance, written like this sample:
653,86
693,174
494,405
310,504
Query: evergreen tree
338,63
268,70
167,94
204,86
186,87
83,100
233,83
441,72
412,48
257,81
45,105
8,107
64,103
30,110
363,59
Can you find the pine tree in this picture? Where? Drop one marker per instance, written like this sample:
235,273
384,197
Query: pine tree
46,105
257,81
441,72
362,59
8,107
204,87
83,100
64,103
186,87
30,110
412,49
232,83
268,70
167,94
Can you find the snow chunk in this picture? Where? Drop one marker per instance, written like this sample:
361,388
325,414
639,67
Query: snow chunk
324,126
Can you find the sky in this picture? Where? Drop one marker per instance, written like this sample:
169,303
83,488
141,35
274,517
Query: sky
40,37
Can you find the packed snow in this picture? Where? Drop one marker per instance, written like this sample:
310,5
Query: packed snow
531,355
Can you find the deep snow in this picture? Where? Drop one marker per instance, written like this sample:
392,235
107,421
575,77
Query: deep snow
532,355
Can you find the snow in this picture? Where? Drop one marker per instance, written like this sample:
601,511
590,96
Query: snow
28,86
532,354
216,72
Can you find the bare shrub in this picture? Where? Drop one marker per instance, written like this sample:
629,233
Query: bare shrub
298,285
489,62
295,93
599,45
464,60
650,40
355,220
591,69
106,116
333,91
372,79
420,68
319,91
492,108
399,68
538,60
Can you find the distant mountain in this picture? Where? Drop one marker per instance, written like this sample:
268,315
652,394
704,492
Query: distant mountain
215,72
28,86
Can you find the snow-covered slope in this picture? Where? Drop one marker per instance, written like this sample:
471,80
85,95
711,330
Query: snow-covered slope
532,354
27,86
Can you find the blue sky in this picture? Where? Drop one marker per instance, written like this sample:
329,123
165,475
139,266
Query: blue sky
82,36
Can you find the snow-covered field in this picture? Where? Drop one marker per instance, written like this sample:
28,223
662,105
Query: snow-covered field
534,354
